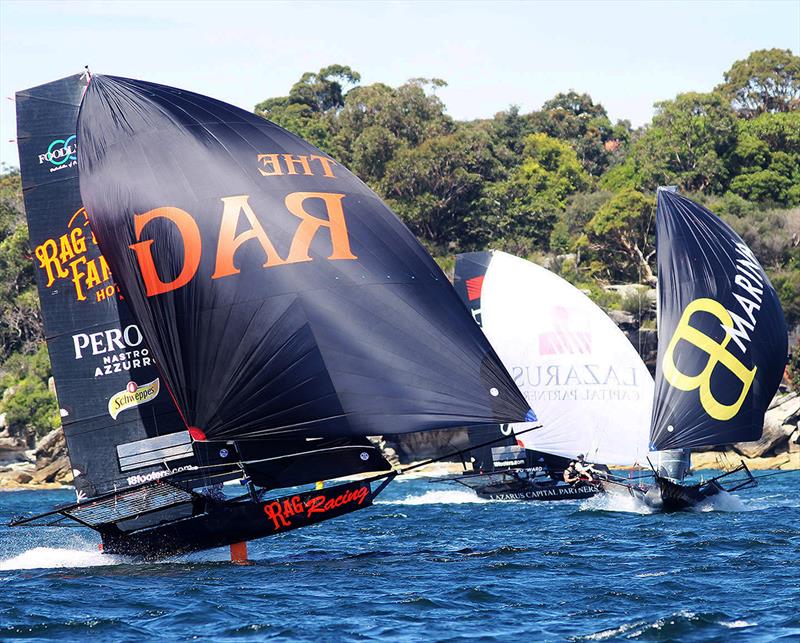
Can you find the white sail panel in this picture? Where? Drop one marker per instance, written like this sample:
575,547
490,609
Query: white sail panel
587,383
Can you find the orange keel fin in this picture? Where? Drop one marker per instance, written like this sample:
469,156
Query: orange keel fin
239,552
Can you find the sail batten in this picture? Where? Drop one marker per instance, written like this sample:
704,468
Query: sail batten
279,294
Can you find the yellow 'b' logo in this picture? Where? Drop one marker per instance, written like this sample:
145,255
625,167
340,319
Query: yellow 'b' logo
717,354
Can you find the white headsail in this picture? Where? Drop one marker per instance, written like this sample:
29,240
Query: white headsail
590,388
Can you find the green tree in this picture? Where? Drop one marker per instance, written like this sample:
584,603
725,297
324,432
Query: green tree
762,185
510,129
437,187
312,102
20,319
622,232
689,143
28,403
527,202
575,118
780,132
377,120
768,80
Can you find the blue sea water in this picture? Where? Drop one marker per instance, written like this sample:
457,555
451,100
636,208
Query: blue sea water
430,562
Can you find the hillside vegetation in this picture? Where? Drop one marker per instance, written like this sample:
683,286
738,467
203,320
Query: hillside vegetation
562,185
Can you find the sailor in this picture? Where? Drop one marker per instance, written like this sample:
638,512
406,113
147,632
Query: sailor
585,470
571,474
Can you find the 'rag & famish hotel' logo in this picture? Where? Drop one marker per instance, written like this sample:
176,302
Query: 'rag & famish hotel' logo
74,257
133,395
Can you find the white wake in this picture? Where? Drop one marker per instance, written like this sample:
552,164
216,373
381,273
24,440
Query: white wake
448,497
722,501
55,558
616,502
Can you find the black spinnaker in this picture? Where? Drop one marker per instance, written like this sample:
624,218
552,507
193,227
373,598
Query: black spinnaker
289,312
722,338
722,348
280,296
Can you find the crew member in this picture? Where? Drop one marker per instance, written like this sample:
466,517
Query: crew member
585,470
571,474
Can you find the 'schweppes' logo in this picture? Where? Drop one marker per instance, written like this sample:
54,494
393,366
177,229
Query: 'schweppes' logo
68,257
61,153
133,395
717,355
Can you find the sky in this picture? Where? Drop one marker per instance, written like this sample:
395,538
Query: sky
626,55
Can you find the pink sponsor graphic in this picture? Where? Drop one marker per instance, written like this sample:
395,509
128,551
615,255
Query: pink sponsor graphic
570,335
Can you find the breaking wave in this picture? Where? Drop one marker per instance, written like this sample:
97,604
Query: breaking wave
676,626
723,501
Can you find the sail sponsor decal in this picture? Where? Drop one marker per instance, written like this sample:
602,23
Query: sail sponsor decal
737,325
141,478
60,153
302,509
74,259
132,396
577,381
114,350
569,334
474,286
241,223
556,492
722,334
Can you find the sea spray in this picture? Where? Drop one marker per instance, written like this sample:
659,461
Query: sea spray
447,497
55,558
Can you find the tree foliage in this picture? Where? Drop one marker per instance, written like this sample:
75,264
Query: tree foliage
768,80
20,320
585,125
623,230
29,405
689,144
437,187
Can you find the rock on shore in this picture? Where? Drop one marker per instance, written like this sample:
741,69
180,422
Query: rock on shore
47,466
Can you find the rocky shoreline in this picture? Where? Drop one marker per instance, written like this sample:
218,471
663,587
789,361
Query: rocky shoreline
45,467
